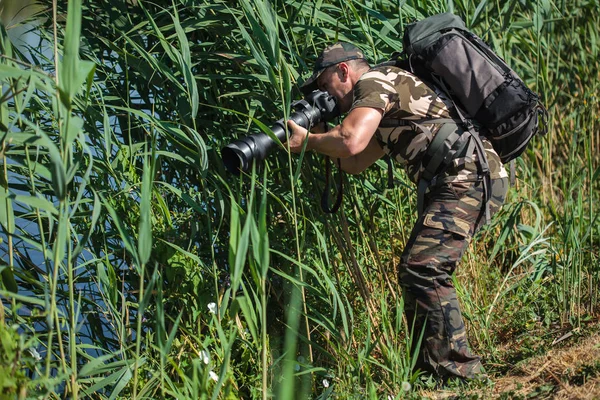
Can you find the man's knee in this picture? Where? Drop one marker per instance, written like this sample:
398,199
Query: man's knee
428,272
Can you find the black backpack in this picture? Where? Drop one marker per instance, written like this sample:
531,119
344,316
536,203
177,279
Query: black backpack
440,49
489,97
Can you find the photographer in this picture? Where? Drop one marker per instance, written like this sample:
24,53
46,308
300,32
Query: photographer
380,103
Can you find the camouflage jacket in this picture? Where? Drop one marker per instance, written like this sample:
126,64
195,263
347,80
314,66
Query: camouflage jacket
403,98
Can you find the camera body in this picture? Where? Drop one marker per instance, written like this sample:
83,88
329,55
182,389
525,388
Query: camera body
317,106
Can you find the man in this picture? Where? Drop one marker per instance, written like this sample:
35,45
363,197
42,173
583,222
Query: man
380,103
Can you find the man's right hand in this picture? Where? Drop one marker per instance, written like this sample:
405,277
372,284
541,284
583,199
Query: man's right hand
321,127
297,137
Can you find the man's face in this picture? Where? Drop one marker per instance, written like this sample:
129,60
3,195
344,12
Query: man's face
334,80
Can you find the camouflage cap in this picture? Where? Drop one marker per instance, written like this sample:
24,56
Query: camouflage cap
331,55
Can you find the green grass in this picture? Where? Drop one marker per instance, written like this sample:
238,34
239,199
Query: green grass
120,225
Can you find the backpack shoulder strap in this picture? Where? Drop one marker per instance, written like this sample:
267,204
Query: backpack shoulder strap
475,144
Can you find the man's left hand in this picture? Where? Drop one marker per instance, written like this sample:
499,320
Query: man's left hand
297,136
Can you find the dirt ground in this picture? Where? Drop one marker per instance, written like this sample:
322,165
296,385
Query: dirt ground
570,371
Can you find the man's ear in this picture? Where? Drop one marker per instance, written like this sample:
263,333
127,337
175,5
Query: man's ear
344,69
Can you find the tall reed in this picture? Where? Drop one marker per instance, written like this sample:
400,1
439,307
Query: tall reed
134,265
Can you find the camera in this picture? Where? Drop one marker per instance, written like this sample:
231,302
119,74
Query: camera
316,107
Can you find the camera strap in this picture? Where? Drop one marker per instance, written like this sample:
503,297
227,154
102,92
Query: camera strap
340,188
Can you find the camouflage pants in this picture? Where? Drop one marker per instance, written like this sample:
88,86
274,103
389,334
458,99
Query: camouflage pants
452,214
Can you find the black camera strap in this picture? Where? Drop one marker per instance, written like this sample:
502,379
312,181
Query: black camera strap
340,188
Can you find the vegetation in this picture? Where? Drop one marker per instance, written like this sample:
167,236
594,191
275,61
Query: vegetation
134,266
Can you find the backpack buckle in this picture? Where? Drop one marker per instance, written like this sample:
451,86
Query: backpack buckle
468,124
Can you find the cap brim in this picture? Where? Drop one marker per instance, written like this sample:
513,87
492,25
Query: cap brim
311,83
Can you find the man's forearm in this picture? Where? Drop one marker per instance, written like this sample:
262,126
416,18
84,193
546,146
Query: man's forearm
351,163
348,139
332,143
358,163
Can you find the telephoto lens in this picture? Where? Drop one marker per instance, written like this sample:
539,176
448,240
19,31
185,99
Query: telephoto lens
317,106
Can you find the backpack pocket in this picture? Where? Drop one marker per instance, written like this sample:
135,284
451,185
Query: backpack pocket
512,136
507,100
467,71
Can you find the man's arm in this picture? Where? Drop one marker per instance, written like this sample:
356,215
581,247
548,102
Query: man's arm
361,161
348,139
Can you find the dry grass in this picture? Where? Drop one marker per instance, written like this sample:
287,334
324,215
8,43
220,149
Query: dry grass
569,372
562,368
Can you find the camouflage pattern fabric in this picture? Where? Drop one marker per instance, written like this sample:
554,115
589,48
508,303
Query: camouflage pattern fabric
468,171
453,211
404,97
452,215
331,55
336,53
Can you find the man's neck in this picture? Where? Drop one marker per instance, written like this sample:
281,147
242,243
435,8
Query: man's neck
357,73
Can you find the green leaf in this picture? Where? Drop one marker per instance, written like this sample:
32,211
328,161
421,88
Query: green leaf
186,65
478,10
33,202
7,278
7,217
125,236
59,176
106,276
263,242
23,298
241,252
61,240
7,71
73,72
248,308
145,227
74,126
98,365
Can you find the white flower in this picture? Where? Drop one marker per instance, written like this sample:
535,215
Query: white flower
406,387
390,397
34,353
325,383
213,376
205,356
212,307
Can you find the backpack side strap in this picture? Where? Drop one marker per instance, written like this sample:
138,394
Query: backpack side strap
449,143
475,144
